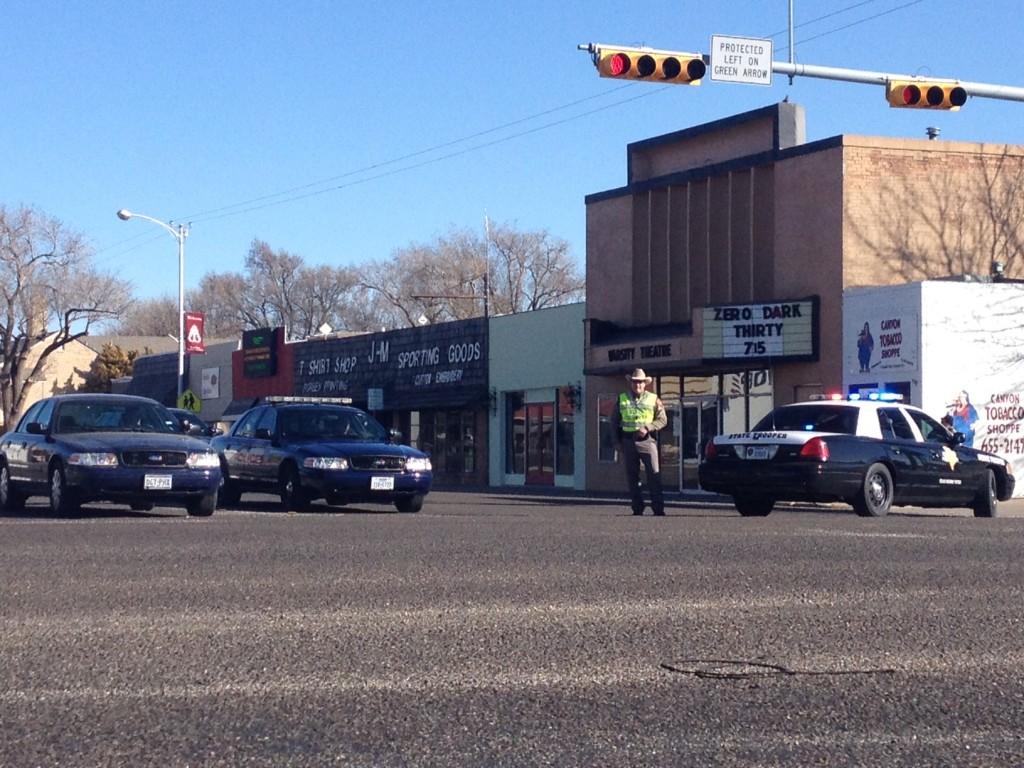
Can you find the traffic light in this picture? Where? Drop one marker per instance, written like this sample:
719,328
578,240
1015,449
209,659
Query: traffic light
925,94
649,64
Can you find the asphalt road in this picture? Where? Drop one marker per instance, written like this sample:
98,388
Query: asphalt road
495,630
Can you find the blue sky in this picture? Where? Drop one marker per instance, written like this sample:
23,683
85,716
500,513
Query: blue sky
289,122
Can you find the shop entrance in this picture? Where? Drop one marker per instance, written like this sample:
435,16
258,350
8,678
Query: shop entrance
540,444
692,421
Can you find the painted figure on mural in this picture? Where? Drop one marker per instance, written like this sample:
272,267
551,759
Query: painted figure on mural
865,346
964,416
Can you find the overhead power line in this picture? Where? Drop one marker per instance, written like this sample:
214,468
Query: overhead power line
316,188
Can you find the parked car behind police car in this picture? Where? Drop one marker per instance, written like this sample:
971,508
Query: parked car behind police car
871,453
79,448
309,448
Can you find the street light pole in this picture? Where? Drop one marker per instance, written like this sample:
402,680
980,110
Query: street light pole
178,234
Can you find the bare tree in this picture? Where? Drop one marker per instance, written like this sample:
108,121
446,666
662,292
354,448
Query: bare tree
51,296
276,289
535,270
461,273
149,317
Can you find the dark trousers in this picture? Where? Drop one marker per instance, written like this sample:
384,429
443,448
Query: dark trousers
643,452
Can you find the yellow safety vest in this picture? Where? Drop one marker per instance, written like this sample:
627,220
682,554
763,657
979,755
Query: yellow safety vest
636,413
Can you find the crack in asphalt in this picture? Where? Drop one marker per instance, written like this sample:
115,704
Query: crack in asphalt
739,669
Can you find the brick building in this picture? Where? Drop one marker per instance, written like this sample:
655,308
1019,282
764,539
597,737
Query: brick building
720,266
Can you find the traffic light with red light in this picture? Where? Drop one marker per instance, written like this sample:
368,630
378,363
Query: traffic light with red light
649,64
925,94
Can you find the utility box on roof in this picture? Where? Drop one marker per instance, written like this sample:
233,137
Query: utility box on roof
952,347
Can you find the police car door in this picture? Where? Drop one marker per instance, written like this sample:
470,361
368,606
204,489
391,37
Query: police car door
909,457
238,446
952,473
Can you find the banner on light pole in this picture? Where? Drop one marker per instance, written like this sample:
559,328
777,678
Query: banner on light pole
194,343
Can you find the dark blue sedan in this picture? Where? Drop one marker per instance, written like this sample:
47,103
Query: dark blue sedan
80,448
303,450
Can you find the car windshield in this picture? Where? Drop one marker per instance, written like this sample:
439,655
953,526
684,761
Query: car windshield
111,416
328,424
194,421
841,419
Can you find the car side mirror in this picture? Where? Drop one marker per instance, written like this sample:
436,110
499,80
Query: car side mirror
35,428
958,438
194,429
394,436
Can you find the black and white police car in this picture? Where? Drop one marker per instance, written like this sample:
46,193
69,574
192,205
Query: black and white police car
872,453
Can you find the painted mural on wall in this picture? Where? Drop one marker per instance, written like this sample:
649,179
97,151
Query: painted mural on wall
883,341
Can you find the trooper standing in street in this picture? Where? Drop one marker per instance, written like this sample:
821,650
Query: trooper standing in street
638,416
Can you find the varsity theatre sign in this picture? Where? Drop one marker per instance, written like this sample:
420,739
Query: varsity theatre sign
781,330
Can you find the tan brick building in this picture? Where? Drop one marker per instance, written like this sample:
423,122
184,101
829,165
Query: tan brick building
720,267
65,368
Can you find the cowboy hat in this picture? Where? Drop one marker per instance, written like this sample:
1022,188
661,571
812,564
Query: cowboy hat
639,375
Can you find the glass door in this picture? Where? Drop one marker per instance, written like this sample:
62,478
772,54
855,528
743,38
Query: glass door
540,444
698,423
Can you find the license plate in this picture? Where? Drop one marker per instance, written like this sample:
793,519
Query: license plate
757,452
157,482
382,483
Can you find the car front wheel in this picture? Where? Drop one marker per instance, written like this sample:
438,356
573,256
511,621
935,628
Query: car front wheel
876,493
408,504
203,506
293,496
753,506
985,503
62,499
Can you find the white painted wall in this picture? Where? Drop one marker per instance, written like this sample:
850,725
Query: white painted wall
956,336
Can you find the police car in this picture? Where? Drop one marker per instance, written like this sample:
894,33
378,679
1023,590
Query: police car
306,448
872,453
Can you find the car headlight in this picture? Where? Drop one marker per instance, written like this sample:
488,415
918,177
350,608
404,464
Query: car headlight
202,460
325,462
93,459
417,464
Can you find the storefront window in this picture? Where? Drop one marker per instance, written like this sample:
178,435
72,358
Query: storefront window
468,427
515,433
414,428
565,432
607,439
449,437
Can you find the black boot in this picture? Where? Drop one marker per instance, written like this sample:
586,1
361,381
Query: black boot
657,500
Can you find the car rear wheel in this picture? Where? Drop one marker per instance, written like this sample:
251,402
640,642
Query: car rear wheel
753,506
203,506
10,497
229,493
293,496
408,504
876,493
63,500
985,503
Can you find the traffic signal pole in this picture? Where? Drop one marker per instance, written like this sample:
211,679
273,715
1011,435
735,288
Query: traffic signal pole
983,90
620,62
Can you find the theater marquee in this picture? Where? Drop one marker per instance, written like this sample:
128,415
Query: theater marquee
777,330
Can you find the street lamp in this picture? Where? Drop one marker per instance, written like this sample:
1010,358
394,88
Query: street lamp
178,234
